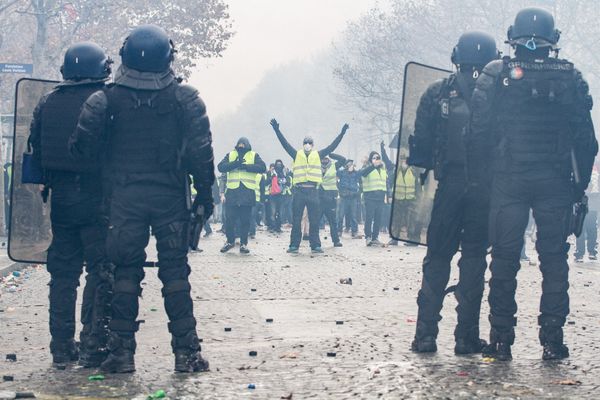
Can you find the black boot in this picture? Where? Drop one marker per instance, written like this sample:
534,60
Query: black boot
499,347
121,355
63,352
466,346
187,353
424,344
551,338
92,350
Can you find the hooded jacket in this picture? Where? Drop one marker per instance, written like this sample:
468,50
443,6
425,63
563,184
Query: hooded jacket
241,196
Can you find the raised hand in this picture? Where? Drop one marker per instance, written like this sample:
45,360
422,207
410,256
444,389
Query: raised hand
275,124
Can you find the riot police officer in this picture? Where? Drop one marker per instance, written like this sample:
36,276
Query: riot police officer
459,216
155,132
531,134
78,222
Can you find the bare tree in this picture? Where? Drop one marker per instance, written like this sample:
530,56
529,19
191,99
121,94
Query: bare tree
374,50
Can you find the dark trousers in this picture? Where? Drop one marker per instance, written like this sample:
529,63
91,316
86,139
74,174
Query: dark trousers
79,235
276,202
348,209
135,208
373,213
238,215
511,199
589,235
305,197
458,218
328,206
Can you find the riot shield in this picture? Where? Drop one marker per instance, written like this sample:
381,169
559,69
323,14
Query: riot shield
414,188
29,231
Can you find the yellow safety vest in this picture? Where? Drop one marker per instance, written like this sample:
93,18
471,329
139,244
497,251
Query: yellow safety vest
248,179
330,178
376,181
257,189
405,185
307,169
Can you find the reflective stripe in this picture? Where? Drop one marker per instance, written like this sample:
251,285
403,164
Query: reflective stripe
257,189
248,179
375,181
307,169
405,185
330,178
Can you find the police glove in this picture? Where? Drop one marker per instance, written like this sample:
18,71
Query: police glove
203,205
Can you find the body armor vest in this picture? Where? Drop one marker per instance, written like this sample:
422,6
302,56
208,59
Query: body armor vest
145,135
60,114
535,104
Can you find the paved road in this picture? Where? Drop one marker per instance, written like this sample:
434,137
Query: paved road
304,298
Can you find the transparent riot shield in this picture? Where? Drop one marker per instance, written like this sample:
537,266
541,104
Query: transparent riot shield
414,188
29,232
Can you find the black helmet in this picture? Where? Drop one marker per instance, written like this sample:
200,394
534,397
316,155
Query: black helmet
85,60
475,48
533,28
148,49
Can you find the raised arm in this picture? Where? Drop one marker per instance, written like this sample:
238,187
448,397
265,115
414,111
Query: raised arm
389,165
327,150
286,145
340,159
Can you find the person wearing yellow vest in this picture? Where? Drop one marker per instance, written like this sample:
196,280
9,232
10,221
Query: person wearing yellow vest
405,195
328,194
307,177
241,166
374,184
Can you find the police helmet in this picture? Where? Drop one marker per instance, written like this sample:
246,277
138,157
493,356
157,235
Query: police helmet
85,60
148,49
475,48
533,29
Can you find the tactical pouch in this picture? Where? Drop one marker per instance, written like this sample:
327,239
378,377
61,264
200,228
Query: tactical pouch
31,170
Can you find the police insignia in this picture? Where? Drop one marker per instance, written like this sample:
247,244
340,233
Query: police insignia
445,108
516,73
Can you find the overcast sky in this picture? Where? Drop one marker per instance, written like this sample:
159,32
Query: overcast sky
270,33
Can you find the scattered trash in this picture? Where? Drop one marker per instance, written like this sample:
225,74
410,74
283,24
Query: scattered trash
567,382
339,322
462,373
331,354
346,281
251,386
95,378
253,353
8,378
253,290
269,320
396,288
11,357
6,395
488,359
16,274
410,320
227,329
571,322
153,309
291,355
159,394
287,397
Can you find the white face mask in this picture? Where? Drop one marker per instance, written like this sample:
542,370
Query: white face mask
308,147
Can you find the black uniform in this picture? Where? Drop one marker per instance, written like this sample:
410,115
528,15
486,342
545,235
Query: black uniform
156,132
78,223
528,114
459,215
